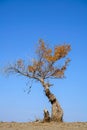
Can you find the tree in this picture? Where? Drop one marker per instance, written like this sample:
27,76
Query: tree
45,67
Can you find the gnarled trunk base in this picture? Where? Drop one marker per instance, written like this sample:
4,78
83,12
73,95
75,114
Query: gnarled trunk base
57,112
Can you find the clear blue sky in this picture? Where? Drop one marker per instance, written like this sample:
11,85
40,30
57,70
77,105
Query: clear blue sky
22,23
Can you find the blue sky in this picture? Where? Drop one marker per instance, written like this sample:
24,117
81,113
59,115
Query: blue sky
22,24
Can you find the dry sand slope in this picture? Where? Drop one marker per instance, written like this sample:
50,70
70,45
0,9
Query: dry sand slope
43,126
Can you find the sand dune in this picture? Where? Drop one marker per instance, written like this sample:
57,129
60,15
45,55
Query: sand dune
43,126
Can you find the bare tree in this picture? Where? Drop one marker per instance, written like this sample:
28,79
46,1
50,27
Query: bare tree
45,67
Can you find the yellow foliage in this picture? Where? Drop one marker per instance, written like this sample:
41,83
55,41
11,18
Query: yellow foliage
49,56
59,51
42,45
31,69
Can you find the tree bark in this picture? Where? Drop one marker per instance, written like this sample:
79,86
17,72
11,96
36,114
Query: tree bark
46,116
57,112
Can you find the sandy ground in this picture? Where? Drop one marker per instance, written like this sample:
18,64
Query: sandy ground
43,126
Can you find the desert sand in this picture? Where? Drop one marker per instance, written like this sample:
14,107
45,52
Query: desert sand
43,126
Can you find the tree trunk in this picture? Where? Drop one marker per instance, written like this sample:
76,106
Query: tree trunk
57,112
